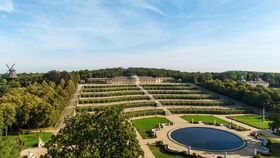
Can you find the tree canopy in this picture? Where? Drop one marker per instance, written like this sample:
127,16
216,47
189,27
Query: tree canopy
106,134
35,100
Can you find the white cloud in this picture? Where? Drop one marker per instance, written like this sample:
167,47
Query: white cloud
6,5
147,6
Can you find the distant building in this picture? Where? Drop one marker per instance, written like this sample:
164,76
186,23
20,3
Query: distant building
129,80
258,81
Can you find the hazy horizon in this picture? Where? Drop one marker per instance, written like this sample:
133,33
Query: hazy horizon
192,36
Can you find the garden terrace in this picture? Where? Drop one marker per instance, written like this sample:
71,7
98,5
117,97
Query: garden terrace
209,111
109,85
116,99
109,94
144,113
176,92
166,85
169,88
195,103
191,97
109,89
124,105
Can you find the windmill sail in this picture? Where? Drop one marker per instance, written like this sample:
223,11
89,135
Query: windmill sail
11,73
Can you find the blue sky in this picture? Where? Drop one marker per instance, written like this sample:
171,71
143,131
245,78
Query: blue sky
188,35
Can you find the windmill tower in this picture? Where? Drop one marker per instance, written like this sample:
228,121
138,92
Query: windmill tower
11,73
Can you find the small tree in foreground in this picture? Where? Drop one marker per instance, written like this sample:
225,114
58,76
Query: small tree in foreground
106,134
275,118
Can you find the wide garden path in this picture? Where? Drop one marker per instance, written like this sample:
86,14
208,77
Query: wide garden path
166,111
69,109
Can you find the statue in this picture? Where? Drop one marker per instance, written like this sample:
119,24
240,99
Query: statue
40,143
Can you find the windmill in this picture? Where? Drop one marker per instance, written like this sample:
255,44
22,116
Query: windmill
11,73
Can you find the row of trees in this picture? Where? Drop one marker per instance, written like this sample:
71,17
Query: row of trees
36,104
194,77
258,96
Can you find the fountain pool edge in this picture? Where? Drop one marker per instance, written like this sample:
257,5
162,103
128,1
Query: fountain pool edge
230,150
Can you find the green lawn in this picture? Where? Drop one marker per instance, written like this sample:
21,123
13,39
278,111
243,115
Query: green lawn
161,153
145,124
252,120
31,140
209,119
204,118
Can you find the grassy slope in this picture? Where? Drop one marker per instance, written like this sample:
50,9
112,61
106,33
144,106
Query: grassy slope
209,119
252,120
145,124
204,118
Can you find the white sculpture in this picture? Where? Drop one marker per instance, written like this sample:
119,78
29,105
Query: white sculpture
40,143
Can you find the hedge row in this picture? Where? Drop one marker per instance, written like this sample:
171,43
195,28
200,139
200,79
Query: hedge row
175,92
127,105
197,103
144,113
165,85
121,93
110,100
209,111
185,97
170,88
110,86
110,89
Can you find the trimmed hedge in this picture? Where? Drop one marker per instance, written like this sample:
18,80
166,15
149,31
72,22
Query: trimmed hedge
144,113
110,86
166,85
185,97
127,105
110,100
196,103
175,92
209,111
169,88
87,95
110,89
